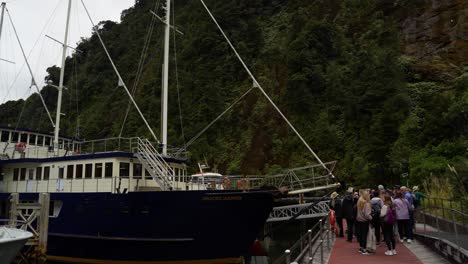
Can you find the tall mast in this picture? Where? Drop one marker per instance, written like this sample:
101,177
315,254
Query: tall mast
60,88
1,18
165,80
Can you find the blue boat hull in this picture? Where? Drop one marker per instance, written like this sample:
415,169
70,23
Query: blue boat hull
155,227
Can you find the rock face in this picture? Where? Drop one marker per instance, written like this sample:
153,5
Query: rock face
434,29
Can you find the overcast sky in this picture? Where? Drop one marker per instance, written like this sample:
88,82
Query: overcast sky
33,20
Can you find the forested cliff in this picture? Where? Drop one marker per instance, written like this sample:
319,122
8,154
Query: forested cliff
380,86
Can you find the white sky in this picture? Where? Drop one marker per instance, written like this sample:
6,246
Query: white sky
33,20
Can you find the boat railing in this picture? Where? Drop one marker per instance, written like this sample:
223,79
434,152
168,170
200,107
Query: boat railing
108,145
125,144
12,223
34,152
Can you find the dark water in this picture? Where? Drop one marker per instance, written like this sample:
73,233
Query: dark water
277,237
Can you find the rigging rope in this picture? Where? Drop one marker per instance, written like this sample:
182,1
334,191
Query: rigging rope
264,93
141,62
118,73
34,46
216,119
29,67
177,78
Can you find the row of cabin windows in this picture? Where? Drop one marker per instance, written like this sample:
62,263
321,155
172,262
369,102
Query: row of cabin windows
80,171
39,140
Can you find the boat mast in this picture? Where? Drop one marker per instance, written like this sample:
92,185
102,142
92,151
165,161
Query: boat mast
165,80
60,87
1,18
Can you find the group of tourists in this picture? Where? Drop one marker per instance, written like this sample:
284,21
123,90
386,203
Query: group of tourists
370,213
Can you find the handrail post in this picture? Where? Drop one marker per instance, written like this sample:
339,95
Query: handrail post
321,251
455,229
288,256
424,216
328,231
309,234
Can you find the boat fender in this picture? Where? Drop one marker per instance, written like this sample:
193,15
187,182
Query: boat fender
332,218
20,147
226,183
243,184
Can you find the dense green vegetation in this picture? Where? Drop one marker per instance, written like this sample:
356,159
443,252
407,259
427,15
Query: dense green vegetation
336,69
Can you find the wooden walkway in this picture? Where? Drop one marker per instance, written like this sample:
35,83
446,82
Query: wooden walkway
344,252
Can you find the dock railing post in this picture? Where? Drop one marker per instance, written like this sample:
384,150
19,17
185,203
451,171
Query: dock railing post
309,234
44,200
288,256
321,251
455,229
327,228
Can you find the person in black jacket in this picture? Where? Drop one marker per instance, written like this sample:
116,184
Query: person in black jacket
335,204
347,209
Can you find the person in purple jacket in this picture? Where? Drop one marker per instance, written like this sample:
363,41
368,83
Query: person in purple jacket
408,195
402,216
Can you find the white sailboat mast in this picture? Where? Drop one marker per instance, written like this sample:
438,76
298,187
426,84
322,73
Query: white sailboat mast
164,92
60,87
1,18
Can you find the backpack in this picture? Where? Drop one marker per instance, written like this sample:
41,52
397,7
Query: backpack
375,213
390,217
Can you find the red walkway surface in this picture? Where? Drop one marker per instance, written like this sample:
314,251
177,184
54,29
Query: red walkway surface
344,252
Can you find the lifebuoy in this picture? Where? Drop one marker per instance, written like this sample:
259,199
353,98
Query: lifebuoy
21,147
243,184
226,183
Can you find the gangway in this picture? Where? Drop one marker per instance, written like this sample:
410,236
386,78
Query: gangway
299,180
284,213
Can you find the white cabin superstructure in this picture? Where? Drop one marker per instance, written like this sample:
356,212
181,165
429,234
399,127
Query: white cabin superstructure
28,163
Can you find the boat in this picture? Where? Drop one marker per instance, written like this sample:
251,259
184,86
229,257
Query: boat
128,200
123,200
12,241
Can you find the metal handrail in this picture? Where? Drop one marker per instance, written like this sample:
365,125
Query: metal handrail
309,245
453,221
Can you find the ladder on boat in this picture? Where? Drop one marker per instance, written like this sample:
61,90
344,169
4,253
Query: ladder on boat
155,164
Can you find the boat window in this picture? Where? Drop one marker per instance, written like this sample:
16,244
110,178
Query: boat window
14,137
40,140
46,172
88,170
98,170
39,173
15,174
30,174
79,171
47,141
108,169
23,174
4,137
70,172
148,175
124,169
61,172
137,170
24,137
32,139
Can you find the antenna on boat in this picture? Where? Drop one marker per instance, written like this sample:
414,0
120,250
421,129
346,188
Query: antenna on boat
60,87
